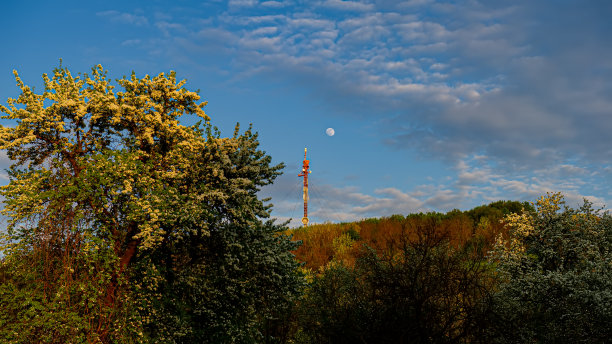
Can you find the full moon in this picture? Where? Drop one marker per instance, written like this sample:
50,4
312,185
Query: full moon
330,131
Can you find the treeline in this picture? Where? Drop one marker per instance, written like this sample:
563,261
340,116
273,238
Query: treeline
422,278
126,226
477,229
507,272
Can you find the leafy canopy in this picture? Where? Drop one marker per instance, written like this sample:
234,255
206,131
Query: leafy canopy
555,269
113,201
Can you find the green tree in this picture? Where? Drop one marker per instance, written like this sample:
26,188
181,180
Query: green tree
495,211
555,269
116,211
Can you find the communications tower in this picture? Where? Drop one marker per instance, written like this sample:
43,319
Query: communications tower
305,172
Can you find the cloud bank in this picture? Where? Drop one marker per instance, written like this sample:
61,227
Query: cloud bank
515,97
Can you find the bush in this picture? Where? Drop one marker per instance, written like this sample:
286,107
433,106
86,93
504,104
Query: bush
556,273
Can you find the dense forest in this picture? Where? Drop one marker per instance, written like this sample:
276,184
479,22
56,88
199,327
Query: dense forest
507,272
126,226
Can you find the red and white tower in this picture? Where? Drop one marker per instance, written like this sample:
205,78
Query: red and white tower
304,173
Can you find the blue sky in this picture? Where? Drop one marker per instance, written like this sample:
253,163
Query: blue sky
436,105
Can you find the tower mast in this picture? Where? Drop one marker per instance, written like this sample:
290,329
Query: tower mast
305,172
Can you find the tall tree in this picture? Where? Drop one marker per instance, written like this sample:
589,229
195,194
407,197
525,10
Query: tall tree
108,190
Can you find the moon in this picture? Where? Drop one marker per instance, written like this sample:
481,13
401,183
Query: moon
330,131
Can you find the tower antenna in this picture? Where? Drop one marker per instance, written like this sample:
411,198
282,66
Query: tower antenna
305,172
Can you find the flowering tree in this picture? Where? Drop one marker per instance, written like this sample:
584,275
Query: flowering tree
106,190
556,275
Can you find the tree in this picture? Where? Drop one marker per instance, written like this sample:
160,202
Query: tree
555,269
117,206
420,290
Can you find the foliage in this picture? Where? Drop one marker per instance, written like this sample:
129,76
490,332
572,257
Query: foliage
236,290
128,217
46,300
556,273
476,229
497,210
420,291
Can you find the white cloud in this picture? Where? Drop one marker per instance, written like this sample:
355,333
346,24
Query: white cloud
127,18
275,4
347,5
167,27
5,163
242,3
131,42
419,31
266,30
311,23
261,43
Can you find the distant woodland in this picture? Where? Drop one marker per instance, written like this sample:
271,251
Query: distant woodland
126,226
507,272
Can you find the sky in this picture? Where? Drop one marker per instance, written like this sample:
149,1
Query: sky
436,105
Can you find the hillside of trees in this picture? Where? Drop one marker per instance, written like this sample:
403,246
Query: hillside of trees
506,272
125,226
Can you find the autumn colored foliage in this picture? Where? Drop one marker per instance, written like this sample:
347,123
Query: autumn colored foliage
477,228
